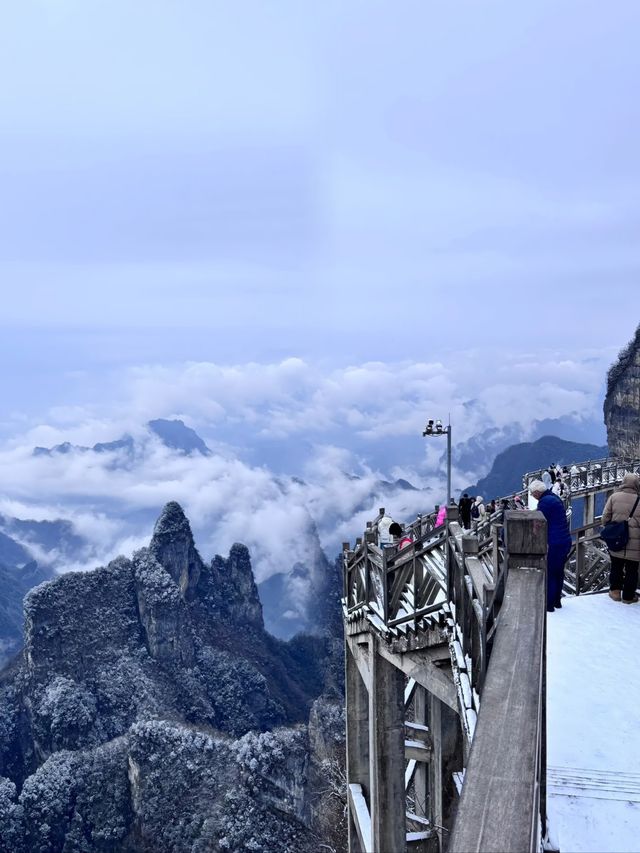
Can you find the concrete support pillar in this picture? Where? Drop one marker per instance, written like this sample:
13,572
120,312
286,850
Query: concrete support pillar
357,703
421,777
435,767
589,509
386,756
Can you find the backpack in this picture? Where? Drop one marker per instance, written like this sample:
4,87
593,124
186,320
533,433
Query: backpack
475,512
616,533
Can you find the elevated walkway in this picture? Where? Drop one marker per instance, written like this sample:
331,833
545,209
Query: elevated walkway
593,725
446,655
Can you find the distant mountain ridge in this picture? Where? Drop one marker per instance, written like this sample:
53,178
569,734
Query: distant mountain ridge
174,434
505,476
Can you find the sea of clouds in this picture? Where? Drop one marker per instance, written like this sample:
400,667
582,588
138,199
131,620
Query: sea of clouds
295,446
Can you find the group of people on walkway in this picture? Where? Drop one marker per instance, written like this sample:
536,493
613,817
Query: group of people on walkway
557,478
473,510
623,506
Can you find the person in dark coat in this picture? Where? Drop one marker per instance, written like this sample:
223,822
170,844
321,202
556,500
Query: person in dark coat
623,579
558,539
464,508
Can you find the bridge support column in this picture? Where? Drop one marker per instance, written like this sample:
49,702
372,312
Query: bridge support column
447,759
589,509
386,756
357,703
421,778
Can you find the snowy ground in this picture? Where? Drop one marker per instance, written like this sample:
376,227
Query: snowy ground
593,729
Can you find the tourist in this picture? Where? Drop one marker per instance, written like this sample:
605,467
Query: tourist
558,540
518,502
385,537
442,515
478,511
464,508
623,578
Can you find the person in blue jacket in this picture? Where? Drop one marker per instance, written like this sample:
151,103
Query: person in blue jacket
558,538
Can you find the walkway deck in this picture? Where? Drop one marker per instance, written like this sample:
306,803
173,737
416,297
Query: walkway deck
594,725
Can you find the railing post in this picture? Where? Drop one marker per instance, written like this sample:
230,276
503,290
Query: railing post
385,587
345,571
369,536
579,560
452,515
470,548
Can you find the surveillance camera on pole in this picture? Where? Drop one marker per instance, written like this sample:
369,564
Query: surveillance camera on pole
435,428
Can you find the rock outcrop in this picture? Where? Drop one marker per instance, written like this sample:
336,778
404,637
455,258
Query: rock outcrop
152,711
173,547
622,402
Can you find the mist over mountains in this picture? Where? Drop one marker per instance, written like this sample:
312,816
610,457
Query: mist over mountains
288,458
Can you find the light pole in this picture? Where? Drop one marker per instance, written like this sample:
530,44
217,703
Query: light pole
434,428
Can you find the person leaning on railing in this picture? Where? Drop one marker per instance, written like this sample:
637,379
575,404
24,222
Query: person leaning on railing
558,538
623,578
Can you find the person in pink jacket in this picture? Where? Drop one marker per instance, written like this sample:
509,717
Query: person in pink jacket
442,515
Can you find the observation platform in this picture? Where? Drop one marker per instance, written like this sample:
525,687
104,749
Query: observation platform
593,725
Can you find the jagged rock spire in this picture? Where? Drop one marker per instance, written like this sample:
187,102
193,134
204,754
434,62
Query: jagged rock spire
173,547
622,403
238,593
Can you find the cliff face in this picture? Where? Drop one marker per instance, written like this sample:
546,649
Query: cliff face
153,712
622,402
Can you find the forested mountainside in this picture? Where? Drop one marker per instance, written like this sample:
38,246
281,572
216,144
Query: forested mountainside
622,402
152,711
15,582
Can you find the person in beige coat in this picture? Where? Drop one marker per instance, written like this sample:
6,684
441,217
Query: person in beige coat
623,578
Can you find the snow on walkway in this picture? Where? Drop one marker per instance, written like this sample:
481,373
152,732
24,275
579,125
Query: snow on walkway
593,725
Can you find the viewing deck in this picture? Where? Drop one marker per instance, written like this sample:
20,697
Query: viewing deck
446,685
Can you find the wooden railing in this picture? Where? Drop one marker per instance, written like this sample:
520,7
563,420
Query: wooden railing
405,587
397,587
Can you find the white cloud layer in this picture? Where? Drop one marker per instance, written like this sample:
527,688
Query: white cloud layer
288,441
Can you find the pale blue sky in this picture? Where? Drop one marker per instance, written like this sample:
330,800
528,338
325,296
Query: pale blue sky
344,181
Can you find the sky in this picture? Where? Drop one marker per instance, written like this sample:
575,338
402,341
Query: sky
303,227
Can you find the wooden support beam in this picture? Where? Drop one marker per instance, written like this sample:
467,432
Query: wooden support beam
426,673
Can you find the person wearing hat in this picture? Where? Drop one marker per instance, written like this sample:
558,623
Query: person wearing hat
558,539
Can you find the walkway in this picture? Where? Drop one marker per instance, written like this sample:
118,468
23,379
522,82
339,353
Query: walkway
594,725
